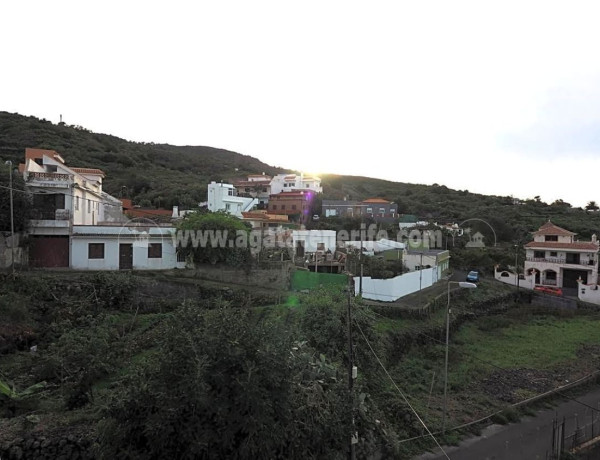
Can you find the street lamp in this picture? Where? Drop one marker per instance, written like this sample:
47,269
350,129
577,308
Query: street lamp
12,219
464,285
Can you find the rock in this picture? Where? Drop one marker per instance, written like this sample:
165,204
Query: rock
16,453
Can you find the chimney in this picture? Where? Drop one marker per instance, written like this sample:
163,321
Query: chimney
175,211
594,238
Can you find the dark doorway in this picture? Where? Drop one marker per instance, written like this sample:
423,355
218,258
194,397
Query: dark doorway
570,278
300,249
125,256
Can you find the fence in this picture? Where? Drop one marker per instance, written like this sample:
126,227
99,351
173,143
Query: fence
389,290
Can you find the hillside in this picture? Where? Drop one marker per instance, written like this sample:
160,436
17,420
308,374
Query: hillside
166,175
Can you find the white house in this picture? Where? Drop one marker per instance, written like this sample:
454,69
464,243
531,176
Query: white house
77,225
311,241
288,182
557,259
141,245
223,197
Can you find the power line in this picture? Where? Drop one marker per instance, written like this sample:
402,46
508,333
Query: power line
492,365
399,390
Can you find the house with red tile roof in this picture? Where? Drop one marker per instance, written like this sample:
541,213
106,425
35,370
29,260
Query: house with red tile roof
556,258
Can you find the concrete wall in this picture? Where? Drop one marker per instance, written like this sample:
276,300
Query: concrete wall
278,277
312,238
589,293
392,289
507,277
80,260
6,250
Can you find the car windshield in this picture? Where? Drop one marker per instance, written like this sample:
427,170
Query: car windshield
472,273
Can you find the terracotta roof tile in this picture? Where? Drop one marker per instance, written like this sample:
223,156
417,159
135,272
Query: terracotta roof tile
376,200
550,229
578,245
94,171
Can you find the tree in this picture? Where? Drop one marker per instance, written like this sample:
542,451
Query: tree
21,201
592,206
223,386
214,237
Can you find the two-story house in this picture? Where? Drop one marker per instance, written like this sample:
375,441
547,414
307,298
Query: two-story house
557,259
295,182
377,209
224,197
75,224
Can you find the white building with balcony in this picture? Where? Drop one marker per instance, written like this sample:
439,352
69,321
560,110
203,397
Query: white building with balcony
289,182
75,224
224,197
555,258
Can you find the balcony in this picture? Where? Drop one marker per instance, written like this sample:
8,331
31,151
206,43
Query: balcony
44,176
557,261
50,214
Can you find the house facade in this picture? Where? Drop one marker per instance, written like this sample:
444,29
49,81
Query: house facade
295,182
378,209
257,186
296,204
77,225
555,258
224,197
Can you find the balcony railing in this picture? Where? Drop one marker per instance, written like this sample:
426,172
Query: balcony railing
48,176
50,214
548,260
553,260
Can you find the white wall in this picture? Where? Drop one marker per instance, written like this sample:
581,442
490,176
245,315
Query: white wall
112,236
589,293
392,289
312,238
507,277
222,197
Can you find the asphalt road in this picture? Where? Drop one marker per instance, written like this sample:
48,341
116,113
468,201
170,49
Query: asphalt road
529,439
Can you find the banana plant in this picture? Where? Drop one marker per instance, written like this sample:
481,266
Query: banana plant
13,394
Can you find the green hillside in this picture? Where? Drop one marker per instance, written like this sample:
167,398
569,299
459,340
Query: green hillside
164,175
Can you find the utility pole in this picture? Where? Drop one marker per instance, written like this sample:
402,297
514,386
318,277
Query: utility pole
360,284
517,268
12,216
351,372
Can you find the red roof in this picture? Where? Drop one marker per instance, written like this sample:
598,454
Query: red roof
550,229
94,171
578,245
376,200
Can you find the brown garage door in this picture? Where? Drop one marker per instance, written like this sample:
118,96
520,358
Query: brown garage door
49,251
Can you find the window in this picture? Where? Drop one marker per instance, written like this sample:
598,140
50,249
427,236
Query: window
369,210
551,238
76,203
95,250
89,206
307,185
282,207
230,192
553,254
155,251
274,207
293,206
539,254
320,246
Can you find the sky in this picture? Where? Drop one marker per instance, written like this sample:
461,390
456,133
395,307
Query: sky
493,97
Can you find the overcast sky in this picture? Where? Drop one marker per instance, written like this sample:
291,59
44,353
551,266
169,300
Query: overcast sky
494,97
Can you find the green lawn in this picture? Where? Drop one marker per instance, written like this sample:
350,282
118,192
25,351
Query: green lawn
540,343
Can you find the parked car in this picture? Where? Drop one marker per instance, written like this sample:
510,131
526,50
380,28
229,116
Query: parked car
473,276
549,290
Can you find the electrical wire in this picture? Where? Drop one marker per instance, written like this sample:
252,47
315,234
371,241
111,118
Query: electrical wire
399,390
492,365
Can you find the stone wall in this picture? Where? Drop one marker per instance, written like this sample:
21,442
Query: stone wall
39,447
277,277
6,245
